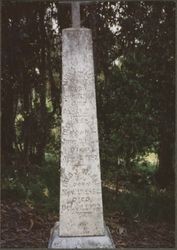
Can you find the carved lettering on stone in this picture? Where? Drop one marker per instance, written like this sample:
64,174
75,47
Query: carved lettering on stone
81,211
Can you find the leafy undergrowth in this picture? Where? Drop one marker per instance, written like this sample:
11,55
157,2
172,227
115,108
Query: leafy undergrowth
148,204
24,226
137,234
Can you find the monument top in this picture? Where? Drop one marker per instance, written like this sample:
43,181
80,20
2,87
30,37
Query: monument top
76,10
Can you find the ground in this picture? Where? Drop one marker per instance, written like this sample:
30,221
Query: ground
24,226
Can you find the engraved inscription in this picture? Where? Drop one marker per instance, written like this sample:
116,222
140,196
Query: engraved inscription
81,212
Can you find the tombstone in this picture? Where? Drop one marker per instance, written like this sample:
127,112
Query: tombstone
81,223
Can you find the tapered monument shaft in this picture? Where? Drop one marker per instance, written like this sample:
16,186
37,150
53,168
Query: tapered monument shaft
81,212
81,222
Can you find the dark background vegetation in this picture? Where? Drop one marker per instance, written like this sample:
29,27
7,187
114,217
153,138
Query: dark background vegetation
134,56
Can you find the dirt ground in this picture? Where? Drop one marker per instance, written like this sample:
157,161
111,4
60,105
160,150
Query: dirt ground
22,226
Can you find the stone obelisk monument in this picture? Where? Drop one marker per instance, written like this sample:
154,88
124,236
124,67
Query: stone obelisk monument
81,222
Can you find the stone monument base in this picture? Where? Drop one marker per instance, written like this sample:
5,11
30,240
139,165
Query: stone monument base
84,242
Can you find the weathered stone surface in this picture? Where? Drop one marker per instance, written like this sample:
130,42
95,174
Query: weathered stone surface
81,212
86,242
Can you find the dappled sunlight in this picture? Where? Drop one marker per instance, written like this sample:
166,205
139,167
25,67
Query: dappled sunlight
122,188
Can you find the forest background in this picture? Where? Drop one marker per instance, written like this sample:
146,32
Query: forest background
134,57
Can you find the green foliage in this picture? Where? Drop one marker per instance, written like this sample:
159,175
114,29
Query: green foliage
40,189
152,204
13,189
138,196
134,57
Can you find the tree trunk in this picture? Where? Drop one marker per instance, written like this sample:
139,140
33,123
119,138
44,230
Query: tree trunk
7,122
53,88
43,112
165,174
